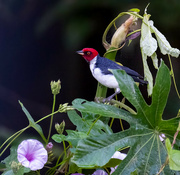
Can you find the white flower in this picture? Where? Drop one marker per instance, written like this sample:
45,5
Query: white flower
99,172
117,155
32,154
162,137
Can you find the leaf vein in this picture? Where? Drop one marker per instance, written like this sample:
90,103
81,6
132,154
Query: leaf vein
137,152
149,156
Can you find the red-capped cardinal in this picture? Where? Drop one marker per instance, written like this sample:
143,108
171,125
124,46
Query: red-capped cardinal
100,66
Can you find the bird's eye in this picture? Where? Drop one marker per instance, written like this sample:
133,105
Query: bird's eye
88,53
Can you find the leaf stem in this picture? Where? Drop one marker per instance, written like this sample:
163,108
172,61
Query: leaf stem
122,105
163,166
93,125
174,81
120,120
112,120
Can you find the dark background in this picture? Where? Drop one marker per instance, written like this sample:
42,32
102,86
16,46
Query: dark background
38,40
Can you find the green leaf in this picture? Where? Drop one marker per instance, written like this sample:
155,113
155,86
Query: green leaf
2,165
12,157
113,162
58,138
73,168
178,129
134,172
147,153
12,164
164,45
173,155
9,172
101,109
174,160
73,137
99,127
32,122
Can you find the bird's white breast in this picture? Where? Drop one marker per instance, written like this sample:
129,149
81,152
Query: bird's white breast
107,80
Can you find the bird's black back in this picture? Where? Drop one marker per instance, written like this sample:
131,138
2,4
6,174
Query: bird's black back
106,64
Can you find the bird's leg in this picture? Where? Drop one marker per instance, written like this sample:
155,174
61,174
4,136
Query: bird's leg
111,96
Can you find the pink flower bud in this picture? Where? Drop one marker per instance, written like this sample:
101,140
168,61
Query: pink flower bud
49,146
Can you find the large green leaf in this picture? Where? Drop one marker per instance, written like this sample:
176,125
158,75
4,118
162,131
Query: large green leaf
32,122
84,124
147,153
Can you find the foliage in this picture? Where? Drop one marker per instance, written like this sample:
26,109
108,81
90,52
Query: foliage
91,146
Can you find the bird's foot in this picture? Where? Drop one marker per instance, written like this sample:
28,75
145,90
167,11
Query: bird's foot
107,100
97,99
102,100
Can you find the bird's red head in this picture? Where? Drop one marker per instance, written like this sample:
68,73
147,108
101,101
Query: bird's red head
88,53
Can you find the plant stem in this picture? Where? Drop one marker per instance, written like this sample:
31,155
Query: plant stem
113,21
47,116
101,91
64,149
10,138
17,135
38,172
138,30
51,121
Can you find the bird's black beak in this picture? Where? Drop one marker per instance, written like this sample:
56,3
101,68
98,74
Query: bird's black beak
80,52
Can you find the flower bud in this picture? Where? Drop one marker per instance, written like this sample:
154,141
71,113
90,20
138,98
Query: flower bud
55,87
121,33
60,127
64,107
15,166
49,147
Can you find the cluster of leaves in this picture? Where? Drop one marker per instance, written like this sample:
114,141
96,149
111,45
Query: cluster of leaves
147,153
93,143
149,46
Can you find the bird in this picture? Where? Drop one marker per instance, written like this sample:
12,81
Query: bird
100,68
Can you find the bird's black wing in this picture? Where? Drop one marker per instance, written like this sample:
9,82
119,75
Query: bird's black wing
106,64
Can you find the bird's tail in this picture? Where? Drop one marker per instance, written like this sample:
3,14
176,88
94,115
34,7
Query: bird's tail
143,82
